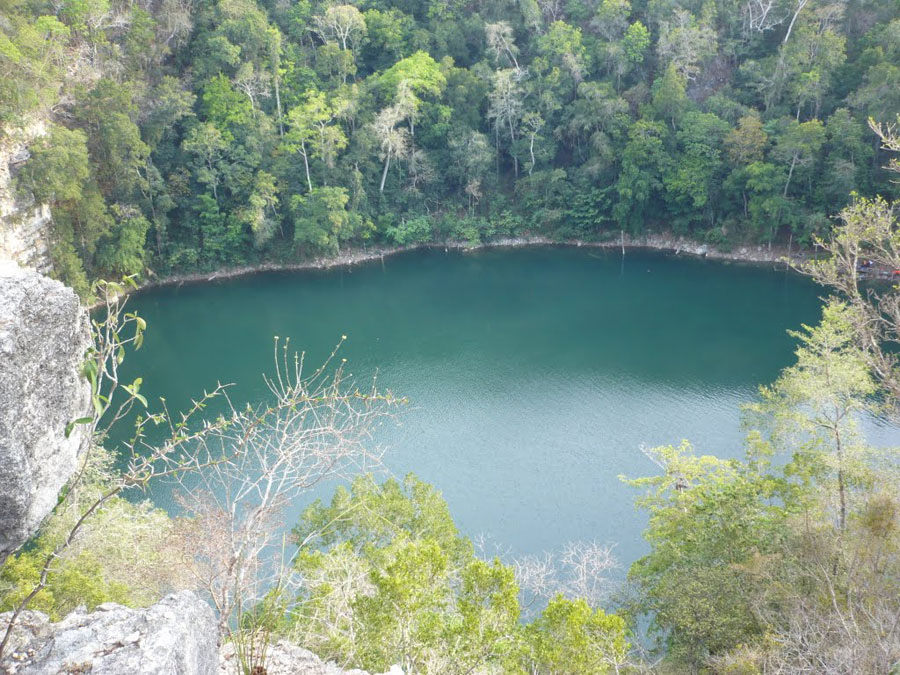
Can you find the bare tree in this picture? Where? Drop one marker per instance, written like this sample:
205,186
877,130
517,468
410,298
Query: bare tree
258,460
580,570
759,16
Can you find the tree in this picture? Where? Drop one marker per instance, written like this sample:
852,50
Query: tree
257,463
123,253
208,146
868,231
390,580
815,405
114,140
506,106
635,42
640,178
343,23
695,176
58,168
260,213
685,43
747,143
669,98
388,37
798,145
710,518
502,44
570,637
394,140
563,48
322,220
313,124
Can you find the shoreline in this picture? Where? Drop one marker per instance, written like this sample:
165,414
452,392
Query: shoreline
679,246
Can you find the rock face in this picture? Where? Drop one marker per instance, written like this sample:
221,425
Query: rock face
24,225
176,636
43,338
284,658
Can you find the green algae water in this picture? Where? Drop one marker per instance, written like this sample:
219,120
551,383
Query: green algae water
534,376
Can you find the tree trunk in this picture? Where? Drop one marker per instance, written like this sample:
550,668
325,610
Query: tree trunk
842,517
278,108
800,5
306,165
790,173
512,139
531,152
387,164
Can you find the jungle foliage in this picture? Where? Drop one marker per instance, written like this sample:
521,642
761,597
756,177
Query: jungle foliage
195,134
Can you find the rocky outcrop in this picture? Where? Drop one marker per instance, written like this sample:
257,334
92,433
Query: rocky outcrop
176,636
24,225
283,658
43,338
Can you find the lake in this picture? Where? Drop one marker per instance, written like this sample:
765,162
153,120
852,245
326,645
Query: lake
535,375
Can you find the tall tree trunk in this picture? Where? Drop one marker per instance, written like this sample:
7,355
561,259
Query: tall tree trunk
800,5
306,164
387,164
531,152
790,173
512,139
842,517
278,107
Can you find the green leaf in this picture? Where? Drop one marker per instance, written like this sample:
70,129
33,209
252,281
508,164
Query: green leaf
81,420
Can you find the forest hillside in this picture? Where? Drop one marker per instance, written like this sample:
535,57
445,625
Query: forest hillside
198,134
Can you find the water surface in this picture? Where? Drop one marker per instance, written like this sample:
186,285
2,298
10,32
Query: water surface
534,375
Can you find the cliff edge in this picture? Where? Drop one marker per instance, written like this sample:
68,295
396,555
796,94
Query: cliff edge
43,337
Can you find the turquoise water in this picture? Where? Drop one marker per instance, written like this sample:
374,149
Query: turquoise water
534,375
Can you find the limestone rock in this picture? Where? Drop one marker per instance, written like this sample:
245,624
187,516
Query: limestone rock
284,658
176,636
43,337
24,225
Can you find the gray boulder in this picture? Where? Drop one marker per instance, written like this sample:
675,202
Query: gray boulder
43,337
176,636
284,658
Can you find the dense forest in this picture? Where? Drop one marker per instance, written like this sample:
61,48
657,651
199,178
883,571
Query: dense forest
190,135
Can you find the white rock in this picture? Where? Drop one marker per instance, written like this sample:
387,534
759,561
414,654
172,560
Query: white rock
43,338
176,636
284,658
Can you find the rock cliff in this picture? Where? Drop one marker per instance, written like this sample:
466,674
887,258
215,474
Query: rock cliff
43,338
24,225
176,636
